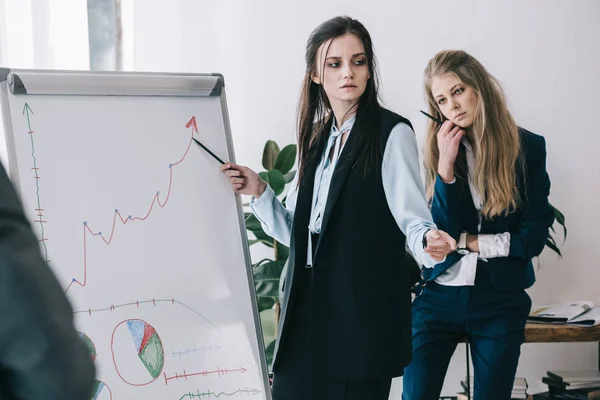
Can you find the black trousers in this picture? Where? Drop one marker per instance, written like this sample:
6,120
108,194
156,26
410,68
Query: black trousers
298,377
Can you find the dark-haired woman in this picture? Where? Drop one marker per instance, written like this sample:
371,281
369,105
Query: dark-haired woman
344,329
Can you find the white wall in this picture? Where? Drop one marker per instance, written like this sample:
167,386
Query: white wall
545,53
542,51
44,34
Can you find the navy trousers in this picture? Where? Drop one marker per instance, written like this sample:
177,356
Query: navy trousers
494,323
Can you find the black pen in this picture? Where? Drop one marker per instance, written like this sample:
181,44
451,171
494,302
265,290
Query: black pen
209,152
439,122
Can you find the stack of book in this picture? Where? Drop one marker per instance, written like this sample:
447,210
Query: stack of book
582,385
577,313
519,390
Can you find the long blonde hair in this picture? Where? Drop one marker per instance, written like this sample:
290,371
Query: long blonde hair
494,135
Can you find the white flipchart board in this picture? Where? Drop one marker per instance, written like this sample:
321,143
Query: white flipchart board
140,226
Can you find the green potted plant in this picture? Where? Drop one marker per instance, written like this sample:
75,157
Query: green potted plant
278,174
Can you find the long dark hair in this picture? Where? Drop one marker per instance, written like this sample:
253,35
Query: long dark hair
314,109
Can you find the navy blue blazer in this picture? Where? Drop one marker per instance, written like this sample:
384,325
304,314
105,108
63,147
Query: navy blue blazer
453,211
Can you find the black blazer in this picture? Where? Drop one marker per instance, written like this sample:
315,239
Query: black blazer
360,310
453,211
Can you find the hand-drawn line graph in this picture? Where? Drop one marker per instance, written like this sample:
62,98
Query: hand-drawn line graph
39,211
119,217
100,388
172,301
210,394
90,345
148,346
219,372
196,350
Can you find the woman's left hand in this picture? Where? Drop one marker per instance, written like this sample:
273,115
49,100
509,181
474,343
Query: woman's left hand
448,141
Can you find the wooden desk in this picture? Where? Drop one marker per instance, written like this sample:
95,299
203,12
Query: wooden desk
547,333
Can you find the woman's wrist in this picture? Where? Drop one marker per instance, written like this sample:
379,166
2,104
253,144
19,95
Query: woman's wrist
446,172
473,243
262,186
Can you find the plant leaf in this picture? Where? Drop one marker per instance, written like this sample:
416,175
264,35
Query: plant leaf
263,237
252,223
270,154
290,176
282,252
553,247
264,176
269,350
286,159
269,324
276,181
265,303
560,218
266,278
551,240
267,243
264,260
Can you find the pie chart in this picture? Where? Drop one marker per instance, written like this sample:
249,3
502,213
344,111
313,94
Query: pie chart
101,391
90,345
137,352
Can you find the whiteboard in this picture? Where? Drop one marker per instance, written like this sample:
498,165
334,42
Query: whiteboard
140,226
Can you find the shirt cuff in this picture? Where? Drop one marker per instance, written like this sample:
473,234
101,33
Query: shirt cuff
446,190
491,246
430,262
265,200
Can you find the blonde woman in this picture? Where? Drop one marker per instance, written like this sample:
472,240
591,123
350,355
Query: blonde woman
488,188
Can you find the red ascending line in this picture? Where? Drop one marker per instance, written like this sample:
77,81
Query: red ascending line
124,221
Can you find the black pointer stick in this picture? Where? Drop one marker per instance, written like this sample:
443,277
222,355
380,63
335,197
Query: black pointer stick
208,151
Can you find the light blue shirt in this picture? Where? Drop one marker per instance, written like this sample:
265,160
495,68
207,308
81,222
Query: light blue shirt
324,172
402,184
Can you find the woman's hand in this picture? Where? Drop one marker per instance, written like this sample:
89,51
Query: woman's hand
448,140
439,244
244,180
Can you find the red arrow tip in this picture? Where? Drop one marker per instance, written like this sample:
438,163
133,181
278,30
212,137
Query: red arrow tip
192,122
